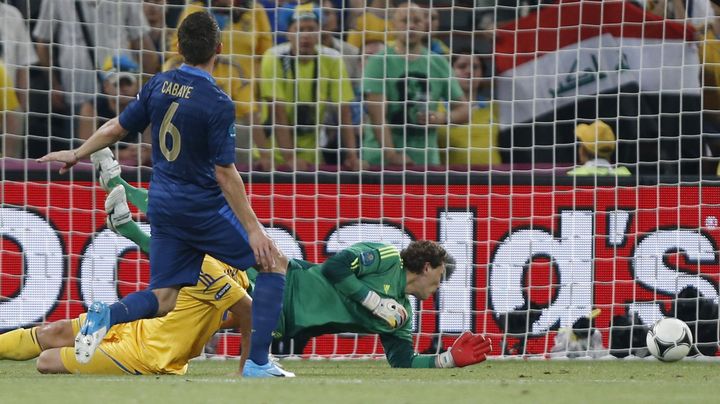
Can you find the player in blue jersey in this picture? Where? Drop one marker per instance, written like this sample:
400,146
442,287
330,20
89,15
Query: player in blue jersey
197,203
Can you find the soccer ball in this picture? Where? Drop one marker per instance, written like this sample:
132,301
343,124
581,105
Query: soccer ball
669,340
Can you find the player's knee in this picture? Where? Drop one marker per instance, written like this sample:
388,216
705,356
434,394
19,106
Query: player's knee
164,309
55,335
49,362
166,300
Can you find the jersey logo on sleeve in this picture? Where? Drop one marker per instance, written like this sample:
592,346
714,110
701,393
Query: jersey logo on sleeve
367,258
222,291
231,130
386,288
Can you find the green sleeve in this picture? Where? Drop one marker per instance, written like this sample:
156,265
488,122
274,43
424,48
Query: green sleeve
400,353
453,90
338,269
456,93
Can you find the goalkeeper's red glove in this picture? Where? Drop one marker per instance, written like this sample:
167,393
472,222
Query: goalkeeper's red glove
469,349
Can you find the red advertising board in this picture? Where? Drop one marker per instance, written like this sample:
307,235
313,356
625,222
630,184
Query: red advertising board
559,250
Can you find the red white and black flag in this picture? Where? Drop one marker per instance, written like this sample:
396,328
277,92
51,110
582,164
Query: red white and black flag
577,60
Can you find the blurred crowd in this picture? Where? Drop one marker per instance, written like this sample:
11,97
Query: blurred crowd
317,84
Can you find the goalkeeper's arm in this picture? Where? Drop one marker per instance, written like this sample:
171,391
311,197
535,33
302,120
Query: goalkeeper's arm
338,270
468,349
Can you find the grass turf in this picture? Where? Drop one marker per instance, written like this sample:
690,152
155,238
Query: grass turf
367,382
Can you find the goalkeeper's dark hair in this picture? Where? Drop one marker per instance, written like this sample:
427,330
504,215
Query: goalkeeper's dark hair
417,253
198,38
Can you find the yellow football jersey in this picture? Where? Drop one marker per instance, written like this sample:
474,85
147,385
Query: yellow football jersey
164,345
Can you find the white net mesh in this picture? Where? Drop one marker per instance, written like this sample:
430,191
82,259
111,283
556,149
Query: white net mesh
564,153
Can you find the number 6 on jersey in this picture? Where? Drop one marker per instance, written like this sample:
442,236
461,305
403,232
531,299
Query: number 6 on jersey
167,128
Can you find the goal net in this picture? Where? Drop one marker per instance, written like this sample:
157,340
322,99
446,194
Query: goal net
563,152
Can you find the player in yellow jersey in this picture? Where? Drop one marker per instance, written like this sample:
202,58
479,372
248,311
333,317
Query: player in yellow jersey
161,345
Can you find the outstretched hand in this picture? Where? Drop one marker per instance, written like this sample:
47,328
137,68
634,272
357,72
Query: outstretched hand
67,157
470,349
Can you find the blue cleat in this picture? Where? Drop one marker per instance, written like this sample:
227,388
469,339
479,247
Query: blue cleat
92,332
270,369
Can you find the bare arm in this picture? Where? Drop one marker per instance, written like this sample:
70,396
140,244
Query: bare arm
383,133
13,136
349,141
233,189
86,121
150,56
43,52
283,134
261,142
108,134
459,112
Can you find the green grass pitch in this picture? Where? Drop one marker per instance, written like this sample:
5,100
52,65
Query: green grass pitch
367,382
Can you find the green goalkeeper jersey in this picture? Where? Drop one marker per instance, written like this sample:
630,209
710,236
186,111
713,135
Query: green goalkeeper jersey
326,299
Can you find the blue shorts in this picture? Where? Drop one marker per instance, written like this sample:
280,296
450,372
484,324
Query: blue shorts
176,252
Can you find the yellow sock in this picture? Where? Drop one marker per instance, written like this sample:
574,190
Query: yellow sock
20,344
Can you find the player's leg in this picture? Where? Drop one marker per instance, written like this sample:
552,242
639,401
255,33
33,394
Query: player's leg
173,264
109,176
62,360
57,356
27,343
225,239
120,221
267,306
20,344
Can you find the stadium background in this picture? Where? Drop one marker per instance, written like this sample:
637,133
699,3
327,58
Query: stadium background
57,254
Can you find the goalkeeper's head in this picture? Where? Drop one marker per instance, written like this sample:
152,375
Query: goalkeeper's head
199,39
425,263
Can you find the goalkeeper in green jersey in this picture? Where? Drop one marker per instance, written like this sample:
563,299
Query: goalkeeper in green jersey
365,289
362,289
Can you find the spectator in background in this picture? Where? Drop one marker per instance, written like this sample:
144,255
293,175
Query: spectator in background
119,86
353,64
88,33
300,78
404,86
476,143
329,27
230,78
111,28
372,25
246,34
698,12
17,53
8,103
596,146
155,14
437,46
285,13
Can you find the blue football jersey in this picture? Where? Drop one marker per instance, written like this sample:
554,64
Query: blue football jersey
193,129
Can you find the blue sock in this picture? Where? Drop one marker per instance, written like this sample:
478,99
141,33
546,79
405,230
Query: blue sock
135,306
266,307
